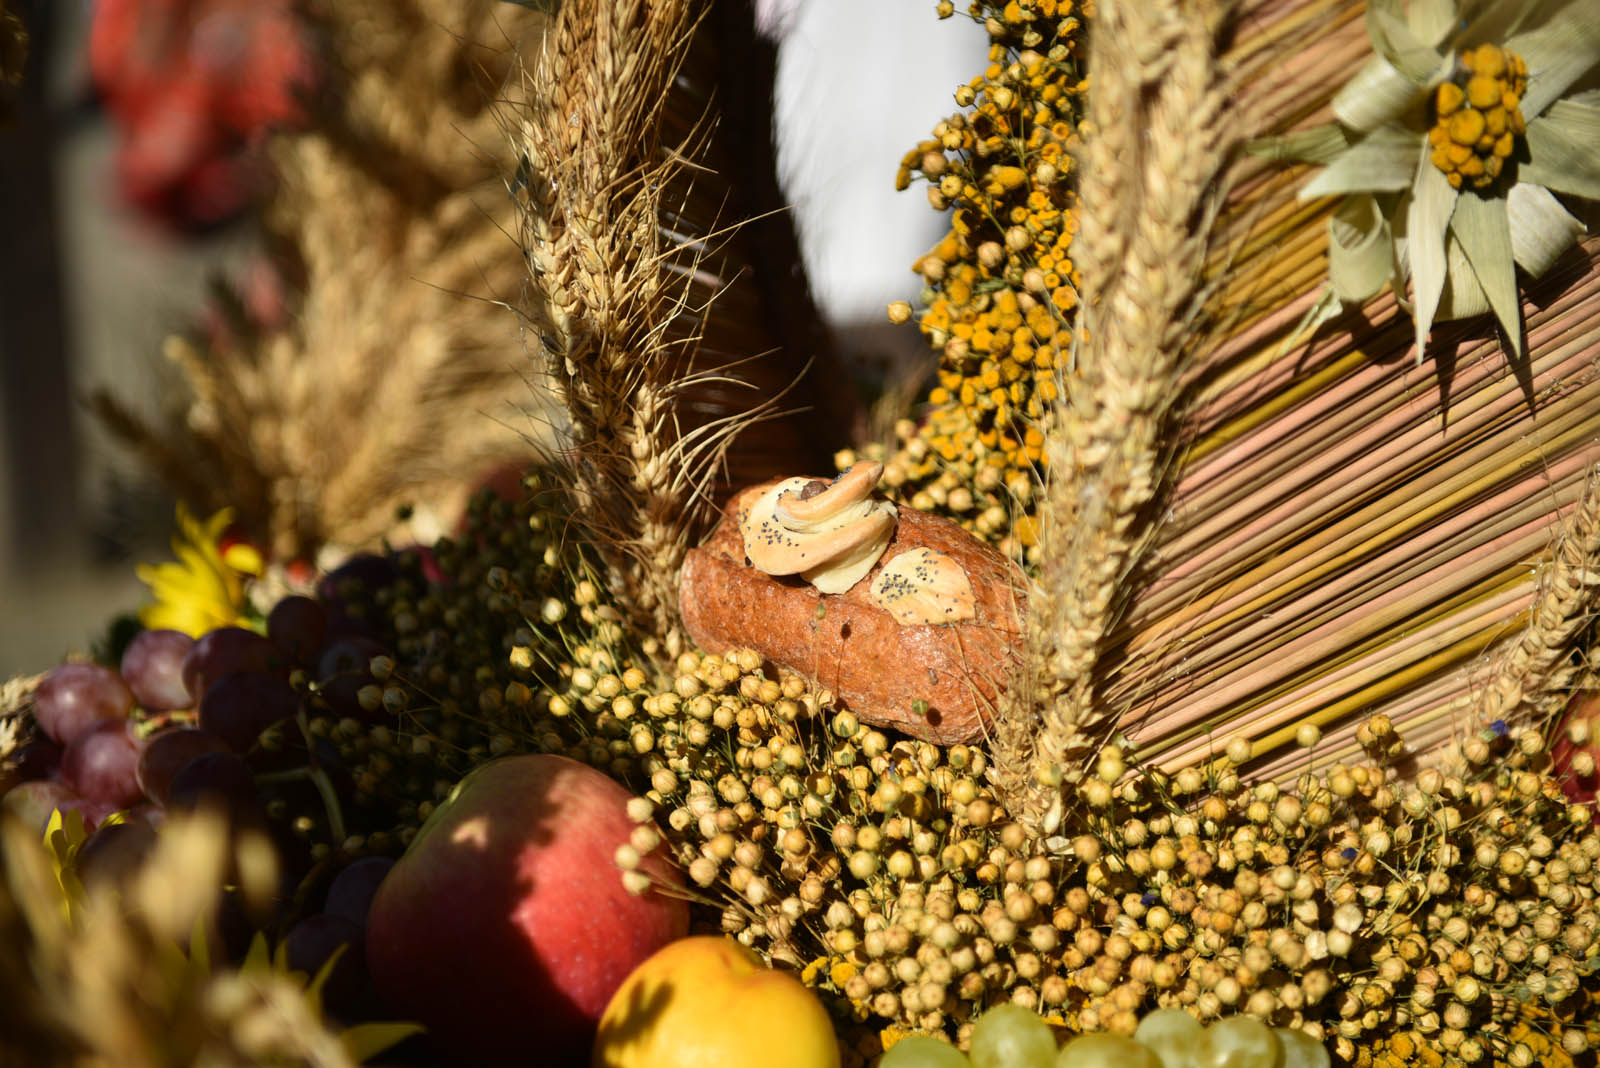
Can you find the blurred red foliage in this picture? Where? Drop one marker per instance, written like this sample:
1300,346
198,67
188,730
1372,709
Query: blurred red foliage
194,86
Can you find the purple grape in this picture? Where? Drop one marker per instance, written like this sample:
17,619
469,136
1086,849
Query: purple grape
298,626
37,759
216,780
342,670
356,580
167,753
113,853
225,651
313,940
152,666
149,814
341,625
238,707
32,802
351,892
102,764
74,697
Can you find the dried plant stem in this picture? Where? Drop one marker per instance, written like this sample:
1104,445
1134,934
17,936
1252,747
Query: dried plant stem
1151,173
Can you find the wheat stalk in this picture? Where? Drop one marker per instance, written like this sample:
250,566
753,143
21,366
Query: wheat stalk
1159,139
641,302
602,289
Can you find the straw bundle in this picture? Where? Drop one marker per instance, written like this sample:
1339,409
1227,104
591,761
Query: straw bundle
1339,532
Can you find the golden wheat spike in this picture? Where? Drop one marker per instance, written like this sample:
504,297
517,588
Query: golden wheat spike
671,334
1150,182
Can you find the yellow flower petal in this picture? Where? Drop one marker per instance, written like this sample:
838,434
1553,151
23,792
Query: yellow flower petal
244,558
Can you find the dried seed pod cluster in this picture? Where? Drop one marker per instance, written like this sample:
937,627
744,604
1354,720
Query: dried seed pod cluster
999,289
1391,916
476,647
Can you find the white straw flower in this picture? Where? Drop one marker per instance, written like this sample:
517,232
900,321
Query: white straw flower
1449,147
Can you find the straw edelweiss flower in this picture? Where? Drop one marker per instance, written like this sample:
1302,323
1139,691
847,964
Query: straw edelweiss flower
1448,150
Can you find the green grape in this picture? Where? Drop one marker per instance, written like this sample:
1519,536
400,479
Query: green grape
1238,1042
1300,1050
920,1051
1010,1036
1173,1034
1105,1051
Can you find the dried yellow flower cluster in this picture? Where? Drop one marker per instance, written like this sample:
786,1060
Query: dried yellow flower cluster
999,288
1476,126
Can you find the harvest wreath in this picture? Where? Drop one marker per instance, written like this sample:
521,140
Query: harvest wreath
1195,678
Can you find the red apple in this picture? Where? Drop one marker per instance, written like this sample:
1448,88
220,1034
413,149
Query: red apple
1575,761
505,928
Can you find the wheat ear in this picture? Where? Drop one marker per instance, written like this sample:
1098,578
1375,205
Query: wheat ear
1534,675
610,291
1158,138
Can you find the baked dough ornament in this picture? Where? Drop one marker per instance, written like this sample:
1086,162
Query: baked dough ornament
912,622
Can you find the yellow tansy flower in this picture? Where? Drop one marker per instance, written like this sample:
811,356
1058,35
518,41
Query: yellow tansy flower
205,587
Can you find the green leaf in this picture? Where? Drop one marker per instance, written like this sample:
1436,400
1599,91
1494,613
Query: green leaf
1383,161
365,1041
1541,228
1481,226
1564,150
1558,54
1319,144
1433,201
1360,250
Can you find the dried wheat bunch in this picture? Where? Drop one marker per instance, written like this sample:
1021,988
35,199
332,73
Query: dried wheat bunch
397,380
98,977
16,695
